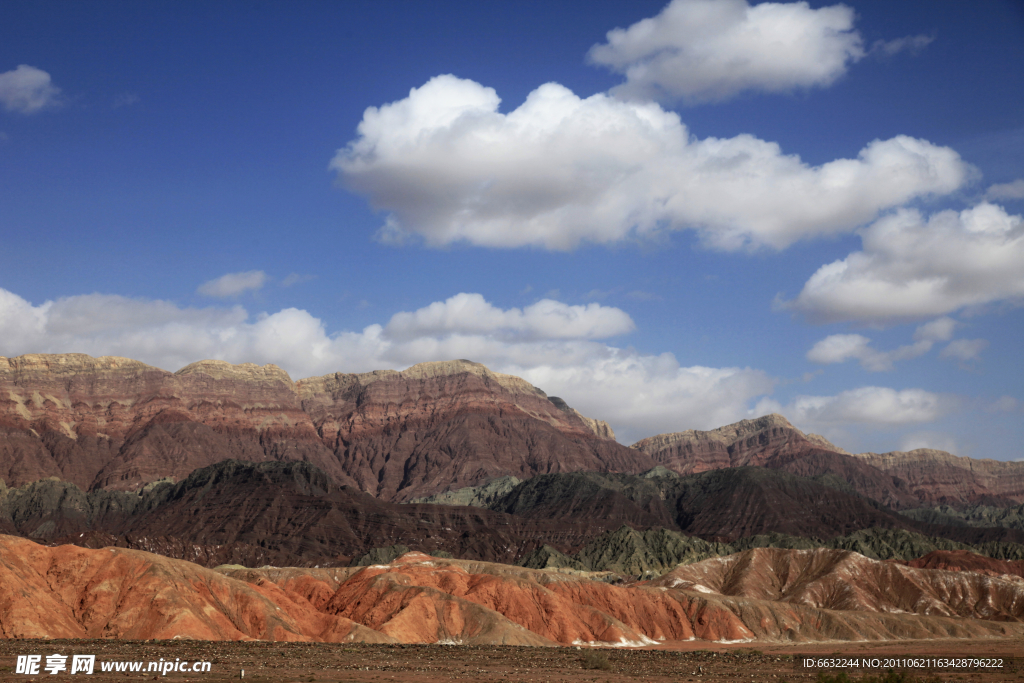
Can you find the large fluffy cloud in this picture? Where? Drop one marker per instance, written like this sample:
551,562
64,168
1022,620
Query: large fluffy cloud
27,89
642,395
873,406
915,267
709,50
550,343
448,166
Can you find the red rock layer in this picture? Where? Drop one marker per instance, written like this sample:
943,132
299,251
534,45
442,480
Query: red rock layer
938,478
118,423
441,426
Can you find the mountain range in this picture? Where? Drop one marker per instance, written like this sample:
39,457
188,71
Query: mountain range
221,464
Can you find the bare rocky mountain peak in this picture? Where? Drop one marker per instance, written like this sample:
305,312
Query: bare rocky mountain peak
723,435
743,428
246,372
429,370
447,368
819,440
598,427
896,458
923,477
58,364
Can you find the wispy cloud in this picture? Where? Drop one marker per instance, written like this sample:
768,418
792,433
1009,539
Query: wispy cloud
296,278
125,99
1006,191
964,350
912,44
233,284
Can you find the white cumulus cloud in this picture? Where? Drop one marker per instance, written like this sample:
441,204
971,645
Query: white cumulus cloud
546,319
551,344
915,267
642,395
447,166
838,348
233,284
880,406
27,89
711,50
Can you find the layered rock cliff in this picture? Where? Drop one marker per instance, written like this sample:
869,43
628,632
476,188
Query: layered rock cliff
747,442
937,477
772,442
898,480
116,423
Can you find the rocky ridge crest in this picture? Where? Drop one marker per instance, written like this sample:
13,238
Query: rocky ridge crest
921,478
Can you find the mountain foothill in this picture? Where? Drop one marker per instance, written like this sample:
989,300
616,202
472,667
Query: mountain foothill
449,503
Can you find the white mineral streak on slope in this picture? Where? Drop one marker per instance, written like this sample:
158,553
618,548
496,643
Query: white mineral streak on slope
643,641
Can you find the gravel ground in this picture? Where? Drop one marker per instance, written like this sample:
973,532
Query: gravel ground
265,662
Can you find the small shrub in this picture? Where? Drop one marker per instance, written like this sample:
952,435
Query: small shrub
595,659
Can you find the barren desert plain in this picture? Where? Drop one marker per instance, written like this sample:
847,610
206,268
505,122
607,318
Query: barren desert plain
277,662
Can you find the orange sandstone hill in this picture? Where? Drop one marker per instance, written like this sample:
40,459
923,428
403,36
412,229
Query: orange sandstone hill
117,423
846,581
962,560
70,592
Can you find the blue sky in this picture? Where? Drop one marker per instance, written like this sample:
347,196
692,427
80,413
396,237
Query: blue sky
673,216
